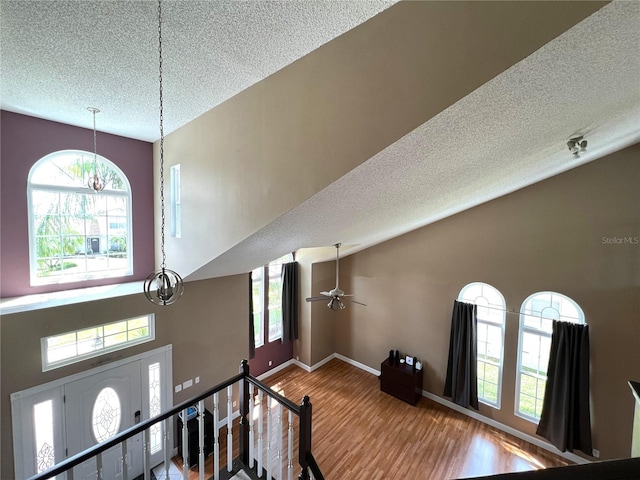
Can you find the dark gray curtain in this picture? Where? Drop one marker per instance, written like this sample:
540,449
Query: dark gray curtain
461,383
290,301
565,419
252,335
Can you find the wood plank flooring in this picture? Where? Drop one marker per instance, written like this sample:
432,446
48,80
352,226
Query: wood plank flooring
360,433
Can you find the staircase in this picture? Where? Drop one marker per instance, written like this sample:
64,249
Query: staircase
268,438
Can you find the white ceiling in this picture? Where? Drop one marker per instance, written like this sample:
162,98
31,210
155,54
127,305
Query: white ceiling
59,57
509,133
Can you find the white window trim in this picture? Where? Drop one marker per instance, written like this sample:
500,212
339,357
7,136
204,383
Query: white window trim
46,365
522,329
22,401
31,187
176,202
500,365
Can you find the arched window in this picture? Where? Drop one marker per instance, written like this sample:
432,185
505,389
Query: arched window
491,320
534,344
74,233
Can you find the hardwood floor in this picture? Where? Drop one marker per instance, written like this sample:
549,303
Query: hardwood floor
360,433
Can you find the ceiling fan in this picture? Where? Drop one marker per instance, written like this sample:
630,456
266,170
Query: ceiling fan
336,295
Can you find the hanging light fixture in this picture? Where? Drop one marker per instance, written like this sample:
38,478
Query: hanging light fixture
164,286
95,182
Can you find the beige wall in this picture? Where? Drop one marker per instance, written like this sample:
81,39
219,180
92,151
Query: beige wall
545,237
274,145
208,328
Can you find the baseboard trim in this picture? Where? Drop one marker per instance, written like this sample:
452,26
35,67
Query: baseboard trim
282,366
572,457
361,366
505,428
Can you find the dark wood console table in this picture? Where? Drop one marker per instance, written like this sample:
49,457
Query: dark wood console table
194,437
401,381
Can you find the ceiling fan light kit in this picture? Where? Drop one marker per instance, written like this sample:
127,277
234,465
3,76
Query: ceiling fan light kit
335,295
577,145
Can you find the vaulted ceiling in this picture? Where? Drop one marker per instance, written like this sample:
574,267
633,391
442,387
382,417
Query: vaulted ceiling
474,142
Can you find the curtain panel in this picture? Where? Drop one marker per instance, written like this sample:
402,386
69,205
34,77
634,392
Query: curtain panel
565,419
461,383
290,301
252,334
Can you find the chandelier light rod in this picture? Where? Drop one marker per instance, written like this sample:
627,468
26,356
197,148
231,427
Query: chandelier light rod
164,286
95,182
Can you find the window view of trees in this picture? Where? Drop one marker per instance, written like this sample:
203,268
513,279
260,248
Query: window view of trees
269,314
537,315
76,234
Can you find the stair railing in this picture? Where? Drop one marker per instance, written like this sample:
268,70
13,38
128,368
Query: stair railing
256,450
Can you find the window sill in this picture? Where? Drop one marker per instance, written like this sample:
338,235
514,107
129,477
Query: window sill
67,297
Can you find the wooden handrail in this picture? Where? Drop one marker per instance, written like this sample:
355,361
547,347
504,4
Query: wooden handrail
305,457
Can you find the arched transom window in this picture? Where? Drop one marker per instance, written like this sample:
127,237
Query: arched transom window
74,233
537,315
491,320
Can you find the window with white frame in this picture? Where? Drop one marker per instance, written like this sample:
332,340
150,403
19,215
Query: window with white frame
257,285
176,202
267,300
71,347
537,315
491,321
76,234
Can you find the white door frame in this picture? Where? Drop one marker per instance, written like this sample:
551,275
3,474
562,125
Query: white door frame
22,404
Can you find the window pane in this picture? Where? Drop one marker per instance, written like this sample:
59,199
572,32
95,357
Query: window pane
536,323
491,318
155,407
67,348
77,235
43,423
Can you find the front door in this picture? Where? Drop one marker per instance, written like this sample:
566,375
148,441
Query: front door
97,408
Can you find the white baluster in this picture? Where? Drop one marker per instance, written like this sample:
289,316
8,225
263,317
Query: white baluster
279,430
201,439
251,433
269,436
216,436
229,429
185,445
146,457
167,459
260,434
290,447
125,468
99,466
70,474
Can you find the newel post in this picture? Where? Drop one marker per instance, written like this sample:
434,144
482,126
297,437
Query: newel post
305,437
244,412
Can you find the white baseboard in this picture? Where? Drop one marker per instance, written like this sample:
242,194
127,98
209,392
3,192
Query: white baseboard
282,366
500,426
505,428
361,366
442,401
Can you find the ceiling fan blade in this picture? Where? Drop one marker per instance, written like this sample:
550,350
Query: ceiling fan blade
353,301
316,299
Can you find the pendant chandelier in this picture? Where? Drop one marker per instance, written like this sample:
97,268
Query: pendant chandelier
95,181
164,286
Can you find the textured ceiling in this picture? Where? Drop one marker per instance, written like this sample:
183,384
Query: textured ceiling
507,134
59,57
